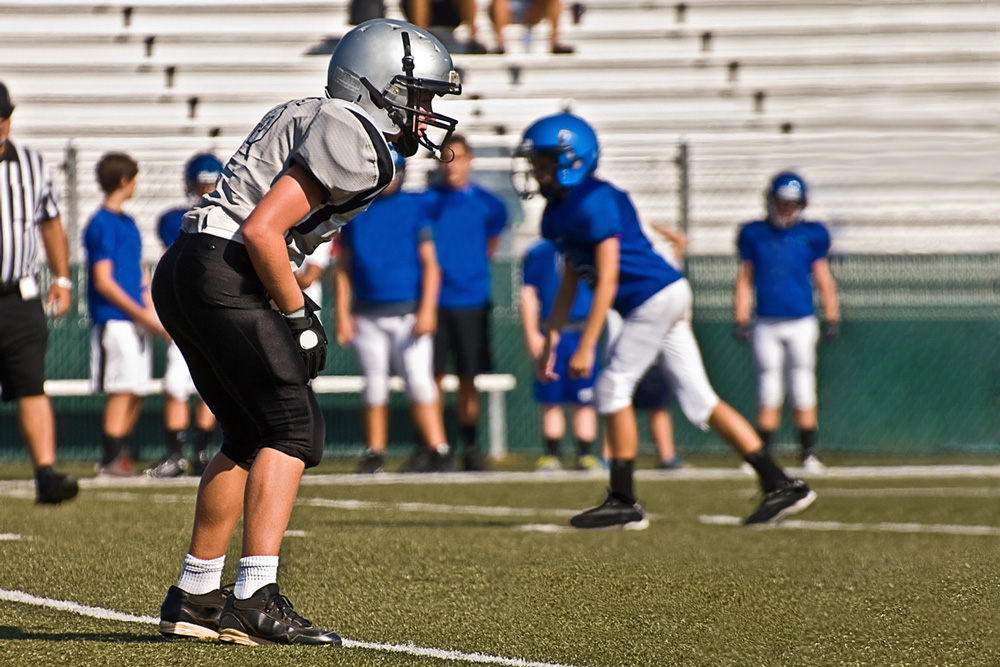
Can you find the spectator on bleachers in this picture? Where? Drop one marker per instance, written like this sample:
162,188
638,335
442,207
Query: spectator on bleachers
446,14
201,173
388,281
468,220
121,312
529,13
24,333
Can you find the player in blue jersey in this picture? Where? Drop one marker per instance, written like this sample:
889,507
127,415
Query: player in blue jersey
540,280
121,312
781,258
468,221
387,288
596,227
201,173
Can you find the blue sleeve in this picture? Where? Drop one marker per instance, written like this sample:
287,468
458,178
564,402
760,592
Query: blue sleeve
169,226
100,240
531,271
745,244
820,242
347,231
600,216
496,219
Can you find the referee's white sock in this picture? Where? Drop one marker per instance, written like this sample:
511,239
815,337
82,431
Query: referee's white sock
201,576
254,573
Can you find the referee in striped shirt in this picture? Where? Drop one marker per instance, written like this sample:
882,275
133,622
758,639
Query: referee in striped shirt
30,221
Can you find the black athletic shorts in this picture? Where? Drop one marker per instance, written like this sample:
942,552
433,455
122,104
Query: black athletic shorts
463,334
24,334
242,358
652,392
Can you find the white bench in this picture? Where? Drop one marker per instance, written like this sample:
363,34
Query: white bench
494,385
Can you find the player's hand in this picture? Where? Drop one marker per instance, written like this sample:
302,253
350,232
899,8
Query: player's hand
581,364
345,330
308,334
743,332
426,323
536,344
545,364
59,300
830,330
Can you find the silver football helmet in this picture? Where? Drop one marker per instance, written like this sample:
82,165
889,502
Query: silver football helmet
384,66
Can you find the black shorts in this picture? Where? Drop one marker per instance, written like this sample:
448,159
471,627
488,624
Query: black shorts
652,392
241,355
465,334
443,13
24,334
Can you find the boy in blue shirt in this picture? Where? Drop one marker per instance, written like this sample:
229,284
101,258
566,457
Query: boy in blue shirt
596,227
468,221
121,312
540,280
781,257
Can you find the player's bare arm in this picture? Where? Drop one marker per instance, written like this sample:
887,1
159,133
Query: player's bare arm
606,262
57,253
342,283
289,200
430,289
827,288
743,293
534,341
103,276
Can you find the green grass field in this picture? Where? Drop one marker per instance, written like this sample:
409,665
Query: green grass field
887,568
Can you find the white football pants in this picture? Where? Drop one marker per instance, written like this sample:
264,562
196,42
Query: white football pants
785,349
384,343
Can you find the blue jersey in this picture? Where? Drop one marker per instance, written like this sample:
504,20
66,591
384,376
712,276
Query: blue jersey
384,242
464,222
543,267
595,211
782,265
169,226
113,236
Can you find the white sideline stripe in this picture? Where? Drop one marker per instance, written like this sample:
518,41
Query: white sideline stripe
10,537
441,654
941,492
837,526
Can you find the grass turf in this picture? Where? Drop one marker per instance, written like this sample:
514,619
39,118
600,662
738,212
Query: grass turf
437,565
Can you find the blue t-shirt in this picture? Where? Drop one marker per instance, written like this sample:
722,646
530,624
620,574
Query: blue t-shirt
113,236
464,222
169,226
543,267
595,211
384,241
782,265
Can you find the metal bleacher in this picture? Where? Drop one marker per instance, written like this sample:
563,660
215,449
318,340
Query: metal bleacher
889,107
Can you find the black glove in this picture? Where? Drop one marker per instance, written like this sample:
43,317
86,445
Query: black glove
743,333
308,333
830,330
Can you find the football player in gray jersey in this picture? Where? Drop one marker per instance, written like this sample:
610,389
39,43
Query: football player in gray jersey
226,293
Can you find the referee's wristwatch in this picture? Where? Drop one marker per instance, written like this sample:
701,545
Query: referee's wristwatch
64,282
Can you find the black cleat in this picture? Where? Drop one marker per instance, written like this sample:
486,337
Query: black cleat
371,463
790,498
267,617
475,461
613,513
192,616
55,489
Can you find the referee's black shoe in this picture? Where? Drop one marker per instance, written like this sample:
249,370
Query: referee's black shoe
183,614
615,512
789,498
52,488
267,617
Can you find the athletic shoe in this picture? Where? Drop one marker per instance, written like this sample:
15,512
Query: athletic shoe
200,462
614,512
419,461
595,465
790,498
174,465
371,463
475,461
267,617
675,463
438,462
120,466
548,464
812,465
185,615
56,489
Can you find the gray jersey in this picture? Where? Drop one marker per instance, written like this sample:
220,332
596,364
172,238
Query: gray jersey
335,141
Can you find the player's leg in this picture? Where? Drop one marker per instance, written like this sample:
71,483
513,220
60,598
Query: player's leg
176,416
472,358
204,428
553,429
580,394
803,335
413,359
372,346
769,355
585,433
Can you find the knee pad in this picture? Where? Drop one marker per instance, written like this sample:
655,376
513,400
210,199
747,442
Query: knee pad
376,391
612,393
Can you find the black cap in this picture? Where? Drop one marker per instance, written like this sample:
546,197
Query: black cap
6,106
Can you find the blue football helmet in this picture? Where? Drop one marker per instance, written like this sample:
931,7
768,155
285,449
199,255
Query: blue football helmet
567,138
786,186
202,169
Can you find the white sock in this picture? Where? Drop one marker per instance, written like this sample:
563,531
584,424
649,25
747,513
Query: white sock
442,449
254,573
201,576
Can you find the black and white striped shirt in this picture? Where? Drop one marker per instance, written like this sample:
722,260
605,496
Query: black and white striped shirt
27,198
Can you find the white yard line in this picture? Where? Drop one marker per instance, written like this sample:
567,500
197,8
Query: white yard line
838,526
411,649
